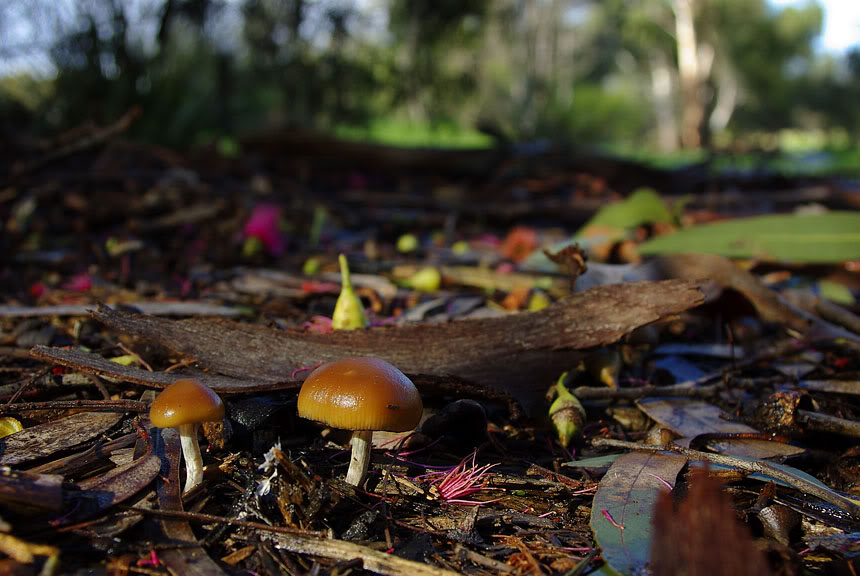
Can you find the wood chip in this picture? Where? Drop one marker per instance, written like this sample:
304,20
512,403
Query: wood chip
45,439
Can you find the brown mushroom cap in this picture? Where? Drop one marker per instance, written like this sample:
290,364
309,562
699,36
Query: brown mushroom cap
361,394
185,402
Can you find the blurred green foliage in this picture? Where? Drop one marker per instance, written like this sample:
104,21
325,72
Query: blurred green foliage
425,72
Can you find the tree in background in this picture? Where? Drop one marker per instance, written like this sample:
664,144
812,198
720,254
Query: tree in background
574,69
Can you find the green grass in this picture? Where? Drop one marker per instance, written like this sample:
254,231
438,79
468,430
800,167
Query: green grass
412,135
824,162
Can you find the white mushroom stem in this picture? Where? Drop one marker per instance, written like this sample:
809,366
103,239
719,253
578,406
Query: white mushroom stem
191,453
359,461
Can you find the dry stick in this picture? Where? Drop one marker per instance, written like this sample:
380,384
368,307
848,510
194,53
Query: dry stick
314,544
689,388
14,352
18,393
838,315
753,466
90,405
202,518
684,389
826,423
481,560
372,560
95,138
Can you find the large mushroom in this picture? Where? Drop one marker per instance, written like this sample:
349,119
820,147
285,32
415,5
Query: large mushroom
363,395
184,405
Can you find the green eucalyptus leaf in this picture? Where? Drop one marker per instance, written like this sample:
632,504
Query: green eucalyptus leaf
815,238
626,496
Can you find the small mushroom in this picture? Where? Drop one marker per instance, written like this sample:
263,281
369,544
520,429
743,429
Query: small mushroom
363,395
184,405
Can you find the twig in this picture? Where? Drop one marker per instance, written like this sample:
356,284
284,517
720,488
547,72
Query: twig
684,389
481,560
14,352
202,518
583,565
156,308
690,388
93,139
136,356
753,466
90,405
18,393
372,560
826,423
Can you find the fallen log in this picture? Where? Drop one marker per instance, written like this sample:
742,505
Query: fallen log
519,355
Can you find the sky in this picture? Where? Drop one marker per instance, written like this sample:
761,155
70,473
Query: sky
841,32
841,23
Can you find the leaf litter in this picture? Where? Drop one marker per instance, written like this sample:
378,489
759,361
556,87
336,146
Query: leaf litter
673,358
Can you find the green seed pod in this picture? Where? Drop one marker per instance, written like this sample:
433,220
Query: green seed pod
604,366
407,243
566,413
425,280
538,301
251,247
348,311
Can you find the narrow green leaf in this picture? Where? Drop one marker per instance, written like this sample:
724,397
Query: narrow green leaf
641,207
821,238
594,462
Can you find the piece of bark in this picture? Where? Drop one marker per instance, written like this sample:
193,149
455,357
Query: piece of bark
118,485
26,492
518,354
94,364
45,439
90,363
190,559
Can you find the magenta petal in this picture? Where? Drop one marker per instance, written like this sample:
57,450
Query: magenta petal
264,224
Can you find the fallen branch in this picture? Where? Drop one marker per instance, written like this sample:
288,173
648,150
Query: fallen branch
517,354
90,363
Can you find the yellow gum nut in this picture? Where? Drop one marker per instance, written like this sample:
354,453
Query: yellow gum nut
9,426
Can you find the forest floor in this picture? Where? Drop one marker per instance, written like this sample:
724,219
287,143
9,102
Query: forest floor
623,404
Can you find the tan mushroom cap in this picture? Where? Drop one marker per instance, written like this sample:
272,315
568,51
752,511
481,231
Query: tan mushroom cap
185,402
361,394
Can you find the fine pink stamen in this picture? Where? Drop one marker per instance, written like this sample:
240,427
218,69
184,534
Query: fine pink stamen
460,481
666,484
151,561
612,521
305,369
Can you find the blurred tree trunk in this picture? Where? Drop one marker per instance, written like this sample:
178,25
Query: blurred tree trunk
664,104
727,96
692,104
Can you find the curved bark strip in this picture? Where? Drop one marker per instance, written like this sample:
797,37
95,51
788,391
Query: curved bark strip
518,354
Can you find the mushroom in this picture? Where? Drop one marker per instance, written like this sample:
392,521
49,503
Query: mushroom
184,405
363,395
